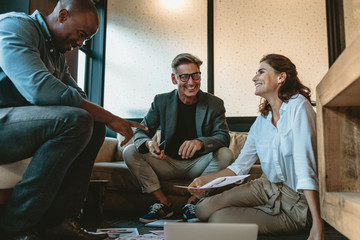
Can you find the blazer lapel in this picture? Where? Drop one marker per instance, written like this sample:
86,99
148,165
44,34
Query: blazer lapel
171,116
201,110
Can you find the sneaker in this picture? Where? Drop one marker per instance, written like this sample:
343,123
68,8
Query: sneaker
189,213
157,212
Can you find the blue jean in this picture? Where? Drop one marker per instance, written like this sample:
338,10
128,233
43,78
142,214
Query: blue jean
64,142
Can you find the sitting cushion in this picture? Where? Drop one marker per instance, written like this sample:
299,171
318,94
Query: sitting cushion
237,141
11,174
120,178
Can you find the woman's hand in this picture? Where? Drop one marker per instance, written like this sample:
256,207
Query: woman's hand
201,181
198,182
317,231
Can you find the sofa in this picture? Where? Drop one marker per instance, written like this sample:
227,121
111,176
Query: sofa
123,192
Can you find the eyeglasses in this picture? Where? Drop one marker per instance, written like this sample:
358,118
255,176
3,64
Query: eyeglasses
196,76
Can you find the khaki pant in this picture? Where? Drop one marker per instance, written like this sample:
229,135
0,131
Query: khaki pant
275,207
148,170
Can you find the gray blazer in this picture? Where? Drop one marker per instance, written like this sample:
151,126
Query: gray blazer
211,125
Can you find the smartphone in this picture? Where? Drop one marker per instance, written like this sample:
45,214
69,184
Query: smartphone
161,146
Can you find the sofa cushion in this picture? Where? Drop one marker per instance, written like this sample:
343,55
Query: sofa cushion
109,151
118,175
120,178
237,141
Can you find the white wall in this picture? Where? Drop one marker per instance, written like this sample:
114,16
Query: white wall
247,30
351,20
143,36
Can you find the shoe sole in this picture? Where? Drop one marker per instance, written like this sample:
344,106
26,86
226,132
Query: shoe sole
191,220
144,220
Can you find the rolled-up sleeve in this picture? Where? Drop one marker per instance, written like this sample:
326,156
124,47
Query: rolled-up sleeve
247,156
20,60
304,148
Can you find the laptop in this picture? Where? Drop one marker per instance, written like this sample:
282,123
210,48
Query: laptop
210,231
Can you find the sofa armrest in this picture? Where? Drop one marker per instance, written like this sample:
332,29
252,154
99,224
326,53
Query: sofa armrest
109,151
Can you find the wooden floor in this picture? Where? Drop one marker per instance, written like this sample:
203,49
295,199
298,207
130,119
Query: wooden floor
127,220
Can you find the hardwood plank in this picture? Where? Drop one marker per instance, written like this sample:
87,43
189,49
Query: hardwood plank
338,133
341,85
320,148
342,211
341,148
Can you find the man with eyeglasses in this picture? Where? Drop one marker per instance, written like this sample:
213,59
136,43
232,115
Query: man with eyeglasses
194,138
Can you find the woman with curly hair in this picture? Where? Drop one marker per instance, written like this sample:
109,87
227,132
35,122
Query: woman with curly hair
283,137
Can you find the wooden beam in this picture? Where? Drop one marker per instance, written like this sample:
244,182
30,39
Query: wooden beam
341,85
338,141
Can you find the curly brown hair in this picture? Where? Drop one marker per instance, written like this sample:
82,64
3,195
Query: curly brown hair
290,87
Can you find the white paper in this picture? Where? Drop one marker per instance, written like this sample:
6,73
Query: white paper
158,232
160,223
219,182
115,233
143,237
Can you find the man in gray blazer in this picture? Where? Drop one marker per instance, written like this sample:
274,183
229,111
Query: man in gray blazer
194,138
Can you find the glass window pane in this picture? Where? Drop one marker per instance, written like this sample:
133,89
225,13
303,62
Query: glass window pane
81,69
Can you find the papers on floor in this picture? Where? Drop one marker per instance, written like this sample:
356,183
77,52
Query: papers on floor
154,235
220,182
143,237
160,223
116,233
131,234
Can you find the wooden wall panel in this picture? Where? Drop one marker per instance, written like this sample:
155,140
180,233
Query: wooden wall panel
338,133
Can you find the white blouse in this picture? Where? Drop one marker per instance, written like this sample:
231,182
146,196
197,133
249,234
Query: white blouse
287,152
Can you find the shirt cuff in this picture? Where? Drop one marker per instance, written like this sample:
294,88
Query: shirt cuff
307,184
236,170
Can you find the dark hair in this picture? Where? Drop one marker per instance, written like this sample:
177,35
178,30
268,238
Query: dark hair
185,58
290,87
77,6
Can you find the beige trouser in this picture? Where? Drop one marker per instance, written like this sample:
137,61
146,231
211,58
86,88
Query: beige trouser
148,170
275,207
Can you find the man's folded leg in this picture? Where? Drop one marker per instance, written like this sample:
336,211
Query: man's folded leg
57,136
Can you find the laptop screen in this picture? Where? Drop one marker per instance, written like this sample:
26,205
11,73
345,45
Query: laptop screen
210,231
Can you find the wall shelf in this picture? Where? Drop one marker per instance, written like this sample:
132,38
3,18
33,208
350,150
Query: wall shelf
338,133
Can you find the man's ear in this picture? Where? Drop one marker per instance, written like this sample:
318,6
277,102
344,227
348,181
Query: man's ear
63,15
173,79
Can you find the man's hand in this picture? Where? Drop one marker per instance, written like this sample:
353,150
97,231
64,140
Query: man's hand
154,149
189,148
122,126
115,123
